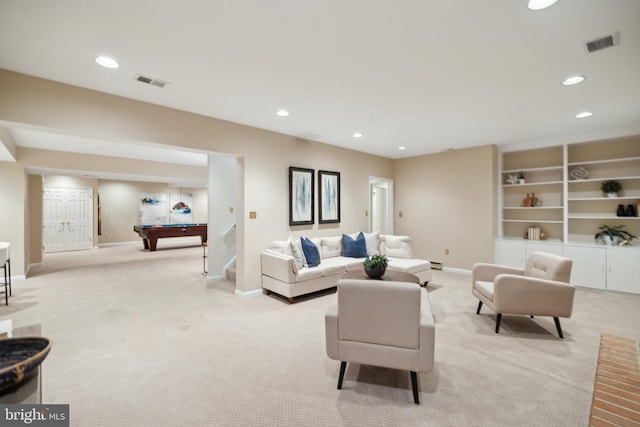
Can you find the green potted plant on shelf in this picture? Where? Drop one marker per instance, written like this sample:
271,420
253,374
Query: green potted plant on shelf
375,266
613,235
611,188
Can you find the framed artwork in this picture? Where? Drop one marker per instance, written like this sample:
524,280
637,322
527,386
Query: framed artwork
328,197
301,196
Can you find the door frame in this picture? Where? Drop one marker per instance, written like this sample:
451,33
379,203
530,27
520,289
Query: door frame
387,184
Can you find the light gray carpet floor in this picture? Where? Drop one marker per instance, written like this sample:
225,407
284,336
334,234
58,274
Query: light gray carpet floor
140,339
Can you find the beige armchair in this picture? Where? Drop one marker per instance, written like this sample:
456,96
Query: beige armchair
387,324
542,288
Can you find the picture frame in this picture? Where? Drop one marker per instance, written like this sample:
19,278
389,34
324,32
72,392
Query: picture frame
328,197
301,196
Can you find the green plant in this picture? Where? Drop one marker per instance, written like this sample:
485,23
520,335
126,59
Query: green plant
610,187
377,262
613,233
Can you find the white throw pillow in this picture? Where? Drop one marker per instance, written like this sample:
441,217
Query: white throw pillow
296,252
372,240
279,246
331,246
397,246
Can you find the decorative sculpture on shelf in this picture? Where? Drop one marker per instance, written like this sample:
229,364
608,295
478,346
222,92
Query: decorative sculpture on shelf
531,201
513,179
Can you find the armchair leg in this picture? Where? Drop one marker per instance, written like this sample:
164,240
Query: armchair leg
414,386
555,319
498,319
479,307
343,367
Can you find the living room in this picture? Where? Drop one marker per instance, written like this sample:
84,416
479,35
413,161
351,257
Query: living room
447,200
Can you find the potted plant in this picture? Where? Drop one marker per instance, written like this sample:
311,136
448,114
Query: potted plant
610,235
610,188
375,266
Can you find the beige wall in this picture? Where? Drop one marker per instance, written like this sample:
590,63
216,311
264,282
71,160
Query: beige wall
34,245
14,194
120,204
264,156
448,201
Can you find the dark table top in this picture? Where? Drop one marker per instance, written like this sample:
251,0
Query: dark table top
389,276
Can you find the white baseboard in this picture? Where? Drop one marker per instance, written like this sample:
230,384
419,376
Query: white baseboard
109,245
248,294
457,270
216,278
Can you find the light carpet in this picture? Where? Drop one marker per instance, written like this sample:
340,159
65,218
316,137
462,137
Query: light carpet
140,339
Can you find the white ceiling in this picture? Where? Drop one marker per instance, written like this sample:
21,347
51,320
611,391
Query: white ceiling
427,75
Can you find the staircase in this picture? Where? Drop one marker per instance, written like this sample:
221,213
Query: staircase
230,273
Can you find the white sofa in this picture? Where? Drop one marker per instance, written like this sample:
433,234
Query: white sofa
285,271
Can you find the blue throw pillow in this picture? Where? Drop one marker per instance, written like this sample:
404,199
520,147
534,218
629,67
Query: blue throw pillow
311,252
355,248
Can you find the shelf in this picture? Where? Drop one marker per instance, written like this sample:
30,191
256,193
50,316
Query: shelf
601,199
530,221
537,208
614,178
545,169
587,216
531,184
599,162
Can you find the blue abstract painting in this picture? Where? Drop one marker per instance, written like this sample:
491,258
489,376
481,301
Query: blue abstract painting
329,197
301,194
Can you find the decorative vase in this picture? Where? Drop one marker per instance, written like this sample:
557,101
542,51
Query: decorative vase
631,211
620,211
612,195
374,273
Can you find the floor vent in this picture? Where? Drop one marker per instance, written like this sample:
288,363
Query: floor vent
436,265
604,42
151,81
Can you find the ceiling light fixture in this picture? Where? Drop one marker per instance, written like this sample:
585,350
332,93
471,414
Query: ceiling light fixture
107,62
357,135
282,113
402,148
584,114
540,4
573,80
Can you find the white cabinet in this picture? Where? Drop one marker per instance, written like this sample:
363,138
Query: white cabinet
509,252
589,266
623,269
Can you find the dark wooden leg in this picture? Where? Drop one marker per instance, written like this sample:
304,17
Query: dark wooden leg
343,367
146,243
479,307
498,319
9,264
153,243
6,292
555,319
414,386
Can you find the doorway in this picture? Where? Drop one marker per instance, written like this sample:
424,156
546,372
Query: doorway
66,219
381,205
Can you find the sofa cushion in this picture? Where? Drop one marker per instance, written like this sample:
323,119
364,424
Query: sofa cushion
397,246
354,248
308,274
311,252
330,247
296,252
485,288
372,241
408,265
279,246
331,270
346,264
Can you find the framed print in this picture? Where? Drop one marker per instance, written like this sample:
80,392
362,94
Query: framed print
301,196
329,197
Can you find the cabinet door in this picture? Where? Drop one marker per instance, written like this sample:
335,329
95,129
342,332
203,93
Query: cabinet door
509,252
623,270
589,266
544,247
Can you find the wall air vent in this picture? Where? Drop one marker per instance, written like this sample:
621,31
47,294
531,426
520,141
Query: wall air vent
151,81
604,42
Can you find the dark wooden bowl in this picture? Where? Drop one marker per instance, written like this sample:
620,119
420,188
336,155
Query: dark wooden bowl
20,356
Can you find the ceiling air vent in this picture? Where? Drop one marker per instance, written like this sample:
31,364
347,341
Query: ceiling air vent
151,81
604,42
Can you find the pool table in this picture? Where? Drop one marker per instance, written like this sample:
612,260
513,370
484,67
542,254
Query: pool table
151,233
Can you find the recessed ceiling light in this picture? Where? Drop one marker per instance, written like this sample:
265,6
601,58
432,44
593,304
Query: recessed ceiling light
357,135
584,114
573,80
107,62
282,113
402,148
540,4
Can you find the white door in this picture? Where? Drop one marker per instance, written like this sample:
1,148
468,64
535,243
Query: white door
381,205
67,217
623,269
